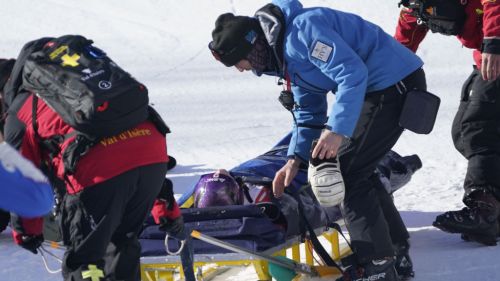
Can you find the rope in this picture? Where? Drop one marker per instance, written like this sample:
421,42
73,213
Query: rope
183,242
44,251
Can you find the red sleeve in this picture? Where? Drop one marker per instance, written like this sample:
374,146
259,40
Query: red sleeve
408,32
30,148
491,18
160,210
32,226
491,27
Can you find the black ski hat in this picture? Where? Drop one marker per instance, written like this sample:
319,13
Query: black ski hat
5,70
233,38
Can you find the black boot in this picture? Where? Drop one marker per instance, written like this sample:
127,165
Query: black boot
467,238
403,263
376,270
478,221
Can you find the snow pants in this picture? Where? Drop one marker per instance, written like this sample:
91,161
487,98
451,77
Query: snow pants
373,222
476,133
100,225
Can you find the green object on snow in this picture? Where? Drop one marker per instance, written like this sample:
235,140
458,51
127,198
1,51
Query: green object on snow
281,273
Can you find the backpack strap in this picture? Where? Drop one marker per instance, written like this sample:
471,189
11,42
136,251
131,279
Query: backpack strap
320,250
51,145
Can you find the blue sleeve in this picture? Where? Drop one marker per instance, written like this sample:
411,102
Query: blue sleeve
24,196
343,66
310,114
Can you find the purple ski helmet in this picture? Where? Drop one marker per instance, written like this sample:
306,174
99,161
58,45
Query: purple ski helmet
216,189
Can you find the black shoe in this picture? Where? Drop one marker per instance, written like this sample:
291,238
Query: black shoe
403,263
470,238
376,270
479,221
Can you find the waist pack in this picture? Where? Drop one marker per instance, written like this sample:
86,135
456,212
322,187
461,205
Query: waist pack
419,111
88,90
442,16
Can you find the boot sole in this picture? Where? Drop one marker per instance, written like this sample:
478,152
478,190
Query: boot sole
487,240
406,277
483,239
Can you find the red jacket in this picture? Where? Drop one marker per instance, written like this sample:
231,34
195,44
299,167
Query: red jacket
142,145
481,30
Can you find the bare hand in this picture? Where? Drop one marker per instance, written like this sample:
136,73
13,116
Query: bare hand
490,66
328,145
283,178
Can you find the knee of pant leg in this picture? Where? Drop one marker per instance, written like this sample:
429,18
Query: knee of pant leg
480,137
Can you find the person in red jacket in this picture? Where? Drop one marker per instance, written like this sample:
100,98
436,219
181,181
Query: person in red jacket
476,24
107,197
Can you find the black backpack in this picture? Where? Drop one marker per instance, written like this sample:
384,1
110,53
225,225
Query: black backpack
442,16
89,91
85,87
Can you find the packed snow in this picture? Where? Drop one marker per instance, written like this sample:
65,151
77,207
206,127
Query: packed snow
220,117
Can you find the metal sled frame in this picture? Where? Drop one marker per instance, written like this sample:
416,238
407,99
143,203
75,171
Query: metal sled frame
163,268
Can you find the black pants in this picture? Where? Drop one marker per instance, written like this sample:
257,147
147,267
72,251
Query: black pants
373,221
101,224
476,133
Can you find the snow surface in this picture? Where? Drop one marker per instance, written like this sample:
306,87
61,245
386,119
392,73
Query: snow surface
220,117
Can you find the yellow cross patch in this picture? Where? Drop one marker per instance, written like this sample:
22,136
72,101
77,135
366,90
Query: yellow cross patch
94,273
70,60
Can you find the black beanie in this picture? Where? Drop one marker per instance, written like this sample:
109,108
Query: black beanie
5,70
233,38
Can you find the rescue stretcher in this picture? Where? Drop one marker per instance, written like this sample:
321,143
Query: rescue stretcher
257,233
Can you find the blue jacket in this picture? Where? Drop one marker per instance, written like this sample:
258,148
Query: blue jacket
23,188
328,50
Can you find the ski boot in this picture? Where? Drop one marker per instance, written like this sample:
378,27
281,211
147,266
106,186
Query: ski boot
375,270
478,221
403,263
468,238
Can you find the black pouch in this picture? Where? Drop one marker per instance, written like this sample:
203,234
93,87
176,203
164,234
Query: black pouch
419,111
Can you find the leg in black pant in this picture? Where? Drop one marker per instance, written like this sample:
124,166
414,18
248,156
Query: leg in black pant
100,224
373,138
475,135
372,219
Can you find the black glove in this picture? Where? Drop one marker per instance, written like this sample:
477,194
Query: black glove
174,227
31,242
167,194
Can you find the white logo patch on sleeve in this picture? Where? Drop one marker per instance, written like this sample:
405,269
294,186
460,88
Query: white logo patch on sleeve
321,51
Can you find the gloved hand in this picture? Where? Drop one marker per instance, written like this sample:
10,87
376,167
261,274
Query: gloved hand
31,242
167,194
174,227
326,181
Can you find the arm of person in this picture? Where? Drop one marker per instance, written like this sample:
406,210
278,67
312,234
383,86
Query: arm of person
408,31
28,227
328,52
339,62
490,65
